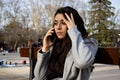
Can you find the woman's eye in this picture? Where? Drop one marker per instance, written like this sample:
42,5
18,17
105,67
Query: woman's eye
54,23
63,23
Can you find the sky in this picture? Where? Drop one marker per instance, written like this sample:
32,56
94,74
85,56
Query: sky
116,4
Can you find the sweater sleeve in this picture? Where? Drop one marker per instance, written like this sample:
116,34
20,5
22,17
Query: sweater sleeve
41,67
83,50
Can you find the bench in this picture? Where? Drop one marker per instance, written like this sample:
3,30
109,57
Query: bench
105,55
1,62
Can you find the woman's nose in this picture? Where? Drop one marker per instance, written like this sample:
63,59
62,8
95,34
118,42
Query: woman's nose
59,26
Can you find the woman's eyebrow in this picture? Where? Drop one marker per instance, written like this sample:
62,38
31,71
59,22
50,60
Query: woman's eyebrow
62,20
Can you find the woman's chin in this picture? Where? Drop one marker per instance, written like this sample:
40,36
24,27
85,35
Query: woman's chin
60,37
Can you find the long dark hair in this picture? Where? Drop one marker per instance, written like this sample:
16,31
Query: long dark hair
62,47
77,18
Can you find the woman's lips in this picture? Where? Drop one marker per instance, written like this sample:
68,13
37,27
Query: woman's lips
59,33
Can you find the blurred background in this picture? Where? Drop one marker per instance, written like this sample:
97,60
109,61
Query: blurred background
22,21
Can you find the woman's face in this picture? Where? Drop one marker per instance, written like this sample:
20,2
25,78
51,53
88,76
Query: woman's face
60,26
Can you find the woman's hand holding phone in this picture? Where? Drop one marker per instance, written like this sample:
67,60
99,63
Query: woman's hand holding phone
47,43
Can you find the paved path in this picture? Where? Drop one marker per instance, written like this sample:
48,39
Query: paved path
12,72
21,71
105,72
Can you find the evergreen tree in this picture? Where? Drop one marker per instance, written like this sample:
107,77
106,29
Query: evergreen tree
100,23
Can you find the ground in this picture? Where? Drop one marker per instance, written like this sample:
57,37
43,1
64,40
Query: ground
21,71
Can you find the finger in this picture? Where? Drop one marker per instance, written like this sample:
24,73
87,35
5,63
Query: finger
66,21
51,30
72,17
49,33
69,19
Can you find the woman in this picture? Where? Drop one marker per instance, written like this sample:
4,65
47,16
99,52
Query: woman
71,53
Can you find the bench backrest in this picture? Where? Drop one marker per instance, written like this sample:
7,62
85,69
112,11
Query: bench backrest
104,55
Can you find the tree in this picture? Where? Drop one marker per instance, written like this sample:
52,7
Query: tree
11,32
100,22
31,16
43,12
16,17
1,6
15,35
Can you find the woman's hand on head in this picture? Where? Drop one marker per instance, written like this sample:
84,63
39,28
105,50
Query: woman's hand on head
46,40
70,21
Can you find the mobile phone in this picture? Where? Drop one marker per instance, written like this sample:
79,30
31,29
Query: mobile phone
52,37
